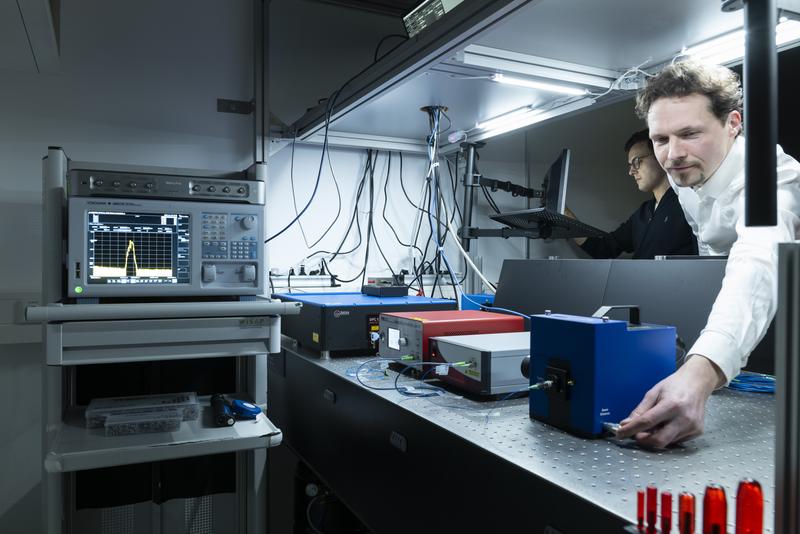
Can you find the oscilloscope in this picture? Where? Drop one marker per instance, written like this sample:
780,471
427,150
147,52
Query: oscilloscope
147,234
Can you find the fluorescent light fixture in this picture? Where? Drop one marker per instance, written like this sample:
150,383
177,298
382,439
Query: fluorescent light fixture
730,47
506,61
552,87
511,116
526,117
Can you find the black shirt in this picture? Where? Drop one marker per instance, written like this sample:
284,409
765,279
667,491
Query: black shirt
648,233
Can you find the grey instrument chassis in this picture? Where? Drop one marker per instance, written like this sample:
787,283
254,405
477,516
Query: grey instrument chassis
494,361
140,234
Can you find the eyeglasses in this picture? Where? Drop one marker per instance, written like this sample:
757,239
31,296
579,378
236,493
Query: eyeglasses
636,162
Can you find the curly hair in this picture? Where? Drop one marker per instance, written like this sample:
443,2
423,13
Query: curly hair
683,78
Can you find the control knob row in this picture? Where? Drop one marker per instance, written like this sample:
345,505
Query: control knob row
212,189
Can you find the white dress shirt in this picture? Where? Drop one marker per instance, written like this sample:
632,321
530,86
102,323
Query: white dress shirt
748,299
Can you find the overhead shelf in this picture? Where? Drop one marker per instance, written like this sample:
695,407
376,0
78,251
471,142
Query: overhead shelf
75,447
451,63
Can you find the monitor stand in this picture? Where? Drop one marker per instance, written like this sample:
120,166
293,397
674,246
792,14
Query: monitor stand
547,224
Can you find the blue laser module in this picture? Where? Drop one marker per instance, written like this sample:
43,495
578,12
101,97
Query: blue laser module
587,371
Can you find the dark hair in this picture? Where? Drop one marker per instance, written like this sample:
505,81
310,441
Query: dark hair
683,78
642,136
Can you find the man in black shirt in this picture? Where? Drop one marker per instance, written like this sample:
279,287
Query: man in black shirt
658,227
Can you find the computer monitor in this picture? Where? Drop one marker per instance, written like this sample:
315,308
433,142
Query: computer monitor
549,220
555,184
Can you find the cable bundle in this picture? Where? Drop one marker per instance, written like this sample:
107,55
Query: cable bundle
753,382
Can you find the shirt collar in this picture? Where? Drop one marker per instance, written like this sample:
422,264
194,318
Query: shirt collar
732,165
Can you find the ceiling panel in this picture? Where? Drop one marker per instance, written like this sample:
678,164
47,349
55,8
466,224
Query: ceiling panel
608,34
614,34
468,101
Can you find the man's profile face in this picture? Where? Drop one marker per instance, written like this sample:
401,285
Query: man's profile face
689,141
644,168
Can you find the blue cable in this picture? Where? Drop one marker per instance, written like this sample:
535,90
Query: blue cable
753,382
434,391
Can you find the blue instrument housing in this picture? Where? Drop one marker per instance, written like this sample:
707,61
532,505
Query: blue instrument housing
600,368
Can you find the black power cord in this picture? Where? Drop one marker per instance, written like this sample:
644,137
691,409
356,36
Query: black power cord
383,40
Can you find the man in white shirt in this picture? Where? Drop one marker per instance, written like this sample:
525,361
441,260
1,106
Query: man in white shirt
694,113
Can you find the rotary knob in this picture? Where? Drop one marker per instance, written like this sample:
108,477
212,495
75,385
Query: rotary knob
195,188
248,223
98,183
211,189
226,189
132,185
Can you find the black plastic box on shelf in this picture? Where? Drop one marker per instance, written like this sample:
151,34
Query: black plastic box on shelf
344,323
382,290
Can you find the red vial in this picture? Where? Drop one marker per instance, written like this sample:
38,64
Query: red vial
749,508
715,510
686,513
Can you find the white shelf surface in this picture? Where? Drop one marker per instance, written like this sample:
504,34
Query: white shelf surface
75,447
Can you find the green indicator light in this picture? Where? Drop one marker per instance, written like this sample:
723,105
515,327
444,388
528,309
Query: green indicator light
78,289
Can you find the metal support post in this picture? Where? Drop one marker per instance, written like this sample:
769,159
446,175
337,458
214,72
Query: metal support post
469,191
54,176
787,399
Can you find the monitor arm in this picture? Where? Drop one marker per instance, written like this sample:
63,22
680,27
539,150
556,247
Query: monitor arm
509,187
472,180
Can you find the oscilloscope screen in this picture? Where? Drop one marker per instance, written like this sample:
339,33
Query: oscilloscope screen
138,248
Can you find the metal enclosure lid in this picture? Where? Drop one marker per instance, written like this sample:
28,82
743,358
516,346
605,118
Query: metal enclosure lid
500,345
599,321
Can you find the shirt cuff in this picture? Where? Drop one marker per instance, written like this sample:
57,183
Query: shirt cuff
721,350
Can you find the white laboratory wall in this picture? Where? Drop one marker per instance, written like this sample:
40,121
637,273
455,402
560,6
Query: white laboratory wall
293,248
503,161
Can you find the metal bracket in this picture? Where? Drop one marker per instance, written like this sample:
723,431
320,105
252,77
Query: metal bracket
474,233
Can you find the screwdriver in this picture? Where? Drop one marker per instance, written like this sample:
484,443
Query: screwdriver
652,507
666,512
749,508
686,513
715,510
